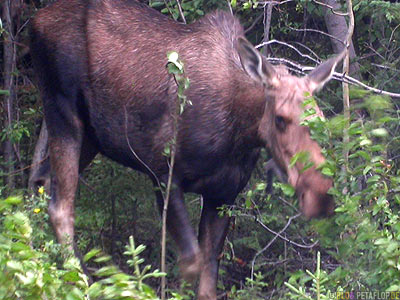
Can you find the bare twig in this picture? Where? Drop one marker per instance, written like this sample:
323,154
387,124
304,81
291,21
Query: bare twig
385,67
167,6
289,204
230,6
391,35
277,234
331,8
261,15
254,23
26,167
275,2
300,69
181,11
152,174
308,49
345,85
359,83
289,46
22,27
316,31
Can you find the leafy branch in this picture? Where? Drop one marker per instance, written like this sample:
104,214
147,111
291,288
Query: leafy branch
175,68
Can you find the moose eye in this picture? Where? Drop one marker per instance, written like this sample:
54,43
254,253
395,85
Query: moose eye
280,123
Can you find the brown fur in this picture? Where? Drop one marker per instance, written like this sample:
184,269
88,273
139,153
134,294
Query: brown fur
101,69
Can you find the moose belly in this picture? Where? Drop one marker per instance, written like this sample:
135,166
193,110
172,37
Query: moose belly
224,180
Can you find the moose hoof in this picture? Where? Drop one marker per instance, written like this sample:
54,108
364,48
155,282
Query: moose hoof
190,267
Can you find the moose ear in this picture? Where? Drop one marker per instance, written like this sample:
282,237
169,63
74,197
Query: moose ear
253,63
323,73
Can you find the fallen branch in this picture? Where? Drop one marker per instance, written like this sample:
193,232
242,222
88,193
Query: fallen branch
277,234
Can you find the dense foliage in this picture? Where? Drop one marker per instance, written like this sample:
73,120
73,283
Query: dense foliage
271,251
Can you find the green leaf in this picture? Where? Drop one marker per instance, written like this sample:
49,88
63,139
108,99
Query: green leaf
261,186
373,179
327,171
366,170
379,132
382,241
14,265
248,203
287,189
365,142
13,200
75,294
72,276
302,157
356,93
92,253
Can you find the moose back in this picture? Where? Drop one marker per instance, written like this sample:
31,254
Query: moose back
105,89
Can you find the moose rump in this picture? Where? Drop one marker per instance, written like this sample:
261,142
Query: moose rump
105,89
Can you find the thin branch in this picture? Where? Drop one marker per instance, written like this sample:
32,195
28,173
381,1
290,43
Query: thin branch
26,167
289,204
331,8
134,153
164,214
385,67
181,11
345,85
300,69
391,35
309,50
289,46
277,234
230,6
22,27
169,9
275,2
254,23
359,83
316,31
261,15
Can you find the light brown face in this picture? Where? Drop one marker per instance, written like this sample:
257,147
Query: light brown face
285,137
280,127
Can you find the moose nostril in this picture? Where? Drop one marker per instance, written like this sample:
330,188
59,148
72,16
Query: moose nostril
301,198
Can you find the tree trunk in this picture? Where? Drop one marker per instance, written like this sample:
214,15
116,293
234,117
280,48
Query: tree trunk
337,27
9,58
267,25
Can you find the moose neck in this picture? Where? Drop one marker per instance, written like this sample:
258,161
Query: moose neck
248,110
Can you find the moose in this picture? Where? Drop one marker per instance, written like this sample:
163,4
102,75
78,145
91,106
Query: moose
105,89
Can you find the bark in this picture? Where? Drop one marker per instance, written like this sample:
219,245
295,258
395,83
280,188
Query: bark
267,25
337,27
9,58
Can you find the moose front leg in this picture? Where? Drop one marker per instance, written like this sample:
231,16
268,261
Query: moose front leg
213,230
178,225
